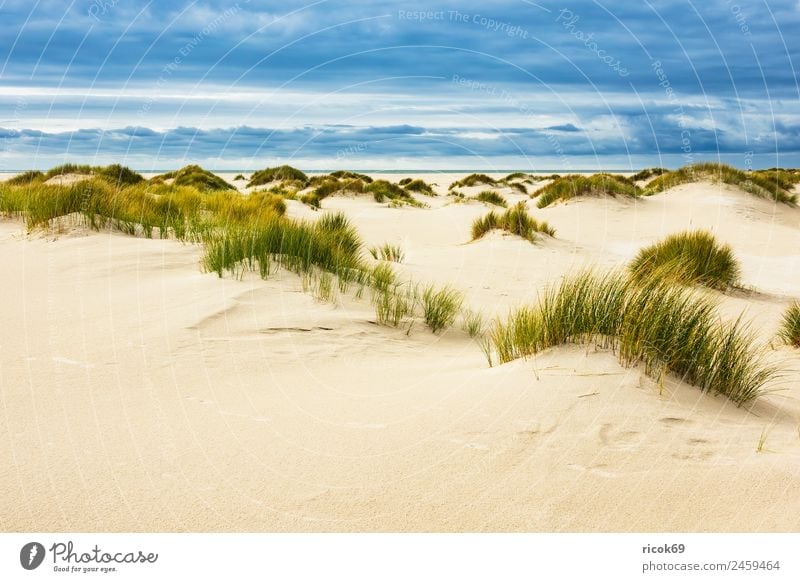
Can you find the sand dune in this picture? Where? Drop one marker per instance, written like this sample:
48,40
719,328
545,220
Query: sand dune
139,394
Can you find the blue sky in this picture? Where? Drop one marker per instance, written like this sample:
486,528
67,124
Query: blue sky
377,84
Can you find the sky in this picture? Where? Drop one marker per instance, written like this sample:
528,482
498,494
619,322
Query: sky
372,84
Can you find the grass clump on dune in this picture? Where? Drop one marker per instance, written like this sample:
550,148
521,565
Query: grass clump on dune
387,252
648,173
115,174
491,197
667,328
419,186
347,175
790,325
330,245
688,258
382,190
515,220
769,185
440,307
26,178
473,180
567,187
277,174
194,176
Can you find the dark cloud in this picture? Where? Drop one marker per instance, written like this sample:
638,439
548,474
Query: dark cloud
724,65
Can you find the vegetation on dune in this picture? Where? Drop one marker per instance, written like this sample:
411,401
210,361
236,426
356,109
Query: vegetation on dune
383,190
473,180
688,258
330,245
239,177
772,185
648,173
516,176
518,186
419,186
26,178
387,252
515,220
268,175
667,328
148,208
346,175
440,307
574,185
115,174
194,176
790,325
490,197
472,323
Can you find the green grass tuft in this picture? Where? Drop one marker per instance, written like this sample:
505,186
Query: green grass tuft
440,307
473,180
648,173
419,186
567,187
662,326
490,197
196,177
387,252
277,174
772,185
688,258
515,220
790,325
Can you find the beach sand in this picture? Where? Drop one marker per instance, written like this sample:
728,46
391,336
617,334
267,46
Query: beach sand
140,394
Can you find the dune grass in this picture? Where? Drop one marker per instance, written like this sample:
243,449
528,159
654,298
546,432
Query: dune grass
419,186
515,220
440,307
26,178
764,184
473,180
491,197
277,174
667,328
330,245
194,176
383,190
146,208
114,174
567,187
472,323
347,175
789,331
689,258
648,173
387,252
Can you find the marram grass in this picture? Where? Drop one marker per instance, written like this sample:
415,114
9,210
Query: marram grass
565,188
440,307
690,258
387,252
667,328
772,185
491,197
789,331
515,220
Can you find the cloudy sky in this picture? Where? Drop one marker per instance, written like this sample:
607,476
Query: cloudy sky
368,84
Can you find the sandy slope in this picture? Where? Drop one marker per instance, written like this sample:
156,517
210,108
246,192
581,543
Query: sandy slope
139,394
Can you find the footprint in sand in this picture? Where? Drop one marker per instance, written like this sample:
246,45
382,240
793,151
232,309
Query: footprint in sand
612,437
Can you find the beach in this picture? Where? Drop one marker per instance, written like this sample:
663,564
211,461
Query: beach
140,393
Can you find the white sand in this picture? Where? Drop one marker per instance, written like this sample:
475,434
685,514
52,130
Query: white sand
139,394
